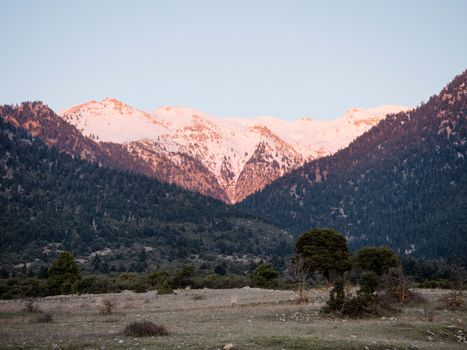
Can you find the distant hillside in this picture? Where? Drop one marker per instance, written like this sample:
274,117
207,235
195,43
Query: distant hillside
50,200
403,183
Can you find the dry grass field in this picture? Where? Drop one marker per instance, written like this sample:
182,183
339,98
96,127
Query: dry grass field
249,318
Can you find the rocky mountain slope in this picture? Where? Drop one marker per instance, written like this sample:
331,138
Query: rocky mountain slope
40,121
402,183
225,158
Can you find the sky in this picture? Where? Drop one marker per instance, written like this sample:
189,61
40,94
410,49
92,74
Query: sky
286,59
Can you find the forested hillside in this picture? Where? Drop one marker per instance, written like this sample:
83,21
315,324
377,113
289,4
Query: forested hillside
51,201
403,183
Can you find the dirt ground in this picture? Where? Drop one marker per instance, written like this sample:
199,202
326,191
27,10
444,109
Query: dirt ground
249,318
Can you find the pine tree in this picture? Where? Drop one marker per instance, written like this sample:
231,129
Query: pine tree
63,274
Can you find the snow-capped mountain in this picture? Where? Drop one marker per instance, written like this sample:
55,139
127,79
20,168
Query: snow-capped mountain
225,158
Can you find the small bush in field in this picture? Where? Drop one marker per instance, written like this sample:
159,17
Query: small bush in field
453,300
356,307
429,313
342,303
198,297
145,329
106,307
165,288
45,317
30,306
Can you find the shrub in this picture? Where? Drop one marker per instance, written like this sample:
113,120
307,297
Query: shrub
131,281
265,276
23,288
337,298
428,311
145,329
96,285
183,278
453,300
45,317
368,284
30,306
215,281
396,287
164,288
106,307
355,307
341,303
155,278
435,284
198,297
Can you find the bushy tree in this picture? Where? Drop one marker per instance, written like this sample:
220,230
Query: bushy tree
324,251
376,259
183,278
220,270
265,276
63,274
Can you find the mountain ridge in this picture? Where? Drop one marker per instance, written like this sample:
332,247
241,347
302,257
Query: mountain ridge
227,152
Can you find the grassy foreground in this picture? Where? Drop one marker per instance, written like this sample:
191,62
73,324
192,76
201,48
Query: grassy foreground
249,318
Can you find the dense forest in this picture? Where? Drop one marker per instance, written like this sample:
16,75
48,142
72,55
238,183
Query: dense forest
52,201
403,183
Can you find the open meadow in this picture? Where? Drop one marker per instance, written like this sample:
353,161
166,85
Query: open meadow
248,318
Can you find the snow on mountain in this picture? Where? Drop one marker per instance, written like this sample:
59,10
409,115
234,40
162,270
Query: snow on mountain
227,158
112,121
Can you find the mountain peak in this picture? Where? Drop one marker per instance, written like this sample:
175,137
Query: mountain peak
111,100
232,151
114,102
111,120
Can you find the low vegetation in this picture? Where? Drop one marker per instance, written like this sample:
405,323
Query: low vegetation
30,306
45,317
307,268
106,307
145,329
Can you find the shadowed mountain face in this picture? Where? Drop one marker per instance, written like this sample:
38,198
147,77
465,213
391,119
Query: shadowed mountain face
403,183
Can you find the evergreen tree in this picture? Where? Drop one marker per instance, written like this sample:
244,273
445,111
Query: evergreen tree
63,274
324,251
376,259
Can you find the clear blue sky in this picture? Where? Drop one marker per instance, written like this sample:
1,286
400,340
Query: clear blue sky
286,59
